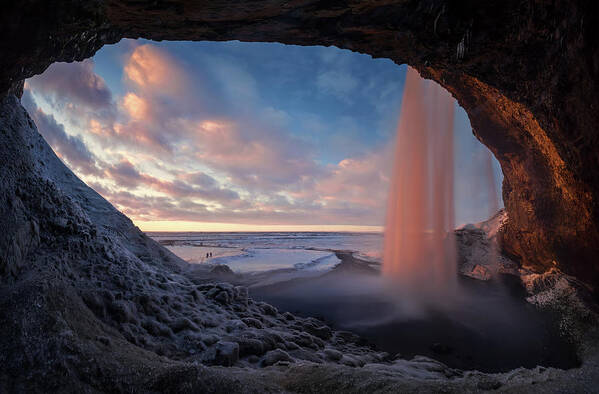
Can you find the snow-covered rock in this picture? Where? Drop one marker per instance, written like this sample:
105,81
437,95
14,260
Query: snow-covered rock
479,255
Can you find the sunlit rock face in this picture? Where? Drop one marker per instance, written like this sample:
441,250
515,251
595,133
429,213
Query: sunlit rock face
526,73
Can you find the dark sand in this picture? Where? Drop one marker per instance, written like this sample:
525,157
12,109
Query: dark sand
491,329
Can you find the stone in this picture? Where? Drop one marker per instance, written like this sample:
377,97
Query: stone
250,346
222,297
183,324
322,331
227,353
251,322
350,360
221,269
275,356
268,309
235,325
332,354
288,316
479,272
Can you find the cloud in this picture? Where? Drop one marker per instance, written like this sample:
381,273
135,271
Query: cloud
188,185
340,84
150,68
259,158
136,106
70,148
73,82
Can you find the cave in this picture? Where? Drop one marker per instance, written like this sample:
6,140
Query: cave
525,72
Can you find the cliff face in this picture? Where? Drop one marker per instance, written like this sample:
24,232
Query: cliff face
526,72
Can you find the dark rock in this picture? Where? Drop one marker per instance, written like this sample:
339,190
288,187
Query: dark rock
221,269
268,309
227,353
275,356
251,322
440,348
333,354
250,346
288,316
183,324
222,297
235,325
319,331
488,384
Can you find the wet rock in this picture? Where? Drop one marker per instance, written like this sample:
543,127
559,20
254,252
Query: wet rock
156,329
479,272
351,361
209,339
104,340
305,340
251,322
241,294
222,270
253,359
319,331
275,356
183,324
227,353
268,309
250,346
307,355
291,345
222,297
488,384
346,336
288,316
121,311
332,354
235,325
198,297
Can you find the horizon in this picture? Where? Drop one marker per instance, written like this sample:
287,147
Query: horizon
273,229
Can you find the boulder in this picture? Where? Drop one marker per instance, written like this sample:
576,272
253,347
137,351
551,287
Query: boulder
275,356
227,353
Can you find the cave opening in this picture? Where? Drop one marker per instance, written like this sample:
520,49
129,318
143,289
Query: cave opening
218,200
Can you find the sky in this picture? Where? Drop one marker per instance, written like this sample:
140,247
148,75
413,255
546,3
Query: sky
226,136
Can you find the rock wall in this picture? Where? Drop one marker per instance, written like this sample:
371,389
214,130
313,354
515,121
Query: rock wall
526,72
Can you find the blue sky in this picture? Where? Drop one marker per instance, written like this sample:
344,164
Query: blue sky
226,135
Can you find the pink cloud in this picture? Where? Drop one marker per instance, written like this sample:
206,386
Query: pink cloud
150,68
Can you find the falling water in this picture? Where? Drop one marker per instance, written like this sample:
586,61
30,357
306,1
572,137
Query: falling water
419,250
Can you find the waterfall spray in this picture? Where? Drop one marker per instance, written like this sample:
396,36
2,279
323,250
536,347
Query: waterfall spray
419,249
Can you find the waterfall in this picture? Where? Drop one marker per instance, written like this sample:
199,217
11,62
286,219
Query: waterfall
419,248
